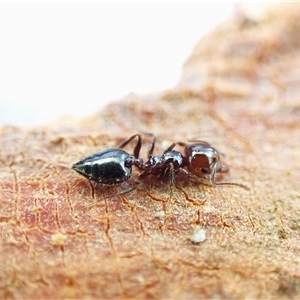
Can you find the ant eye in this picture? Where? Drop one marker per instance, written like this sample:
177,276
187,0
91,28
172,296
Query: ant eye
205,170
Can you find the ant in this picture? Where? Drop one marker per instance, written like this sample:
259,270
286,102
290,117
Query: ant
113,166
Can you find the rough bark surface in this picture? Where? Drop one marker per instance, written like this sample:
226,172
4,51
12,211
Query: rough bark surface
240,90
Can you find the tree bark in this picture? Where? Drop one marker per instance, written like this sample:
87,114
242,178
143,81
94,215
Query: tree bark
64,237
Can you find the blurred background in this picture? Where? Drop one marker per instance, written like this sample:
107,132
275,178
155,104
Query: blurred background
72,58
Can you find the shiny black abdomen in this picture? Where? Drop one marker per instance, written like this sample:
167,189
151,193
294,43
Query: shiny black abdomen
108,166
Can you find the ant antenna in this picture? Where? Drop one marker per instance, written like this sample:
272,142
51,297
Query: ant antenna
243,186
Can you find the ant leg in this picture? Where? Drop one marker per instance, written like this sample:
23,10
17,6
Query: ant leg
121,193
173,146
195,140
172,174
152,144
138,145
170,171
129,189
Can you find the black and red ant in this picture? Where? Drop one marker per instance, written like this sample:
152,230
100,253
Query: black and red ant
200,162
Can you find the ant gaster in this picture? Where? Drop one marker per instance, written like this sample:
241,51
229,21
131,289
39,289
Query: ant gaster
113,166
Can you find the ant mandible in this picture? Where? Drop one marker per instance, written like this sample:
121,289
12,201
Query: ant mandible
113,166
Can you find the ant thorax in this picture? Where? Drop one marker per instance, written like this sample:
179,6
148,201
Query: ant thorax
173,157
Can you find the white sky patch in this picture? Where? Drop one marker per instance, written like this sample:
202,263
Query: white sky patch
63,57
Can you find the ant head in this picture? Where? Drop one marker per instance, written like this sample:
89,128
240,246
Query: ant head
203,159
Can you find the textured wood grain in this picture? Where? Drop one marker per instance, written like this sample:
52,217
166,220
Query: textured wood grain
240,90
